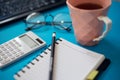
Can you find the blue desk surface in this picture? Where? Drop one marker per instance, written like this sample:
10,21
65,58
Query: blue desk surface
109,46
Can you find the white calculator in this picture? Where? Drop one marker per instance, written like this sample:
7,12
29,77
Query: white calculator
19,47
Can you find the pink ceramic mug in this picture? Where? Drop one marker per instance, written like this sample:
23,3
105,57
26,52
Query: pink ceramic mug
88,18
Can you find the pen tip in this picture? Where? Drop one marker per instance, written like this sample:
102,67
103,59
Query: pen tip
54,34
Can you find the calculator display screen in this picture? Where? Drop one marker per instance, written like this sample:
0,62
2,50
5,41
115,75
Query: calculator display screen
29,41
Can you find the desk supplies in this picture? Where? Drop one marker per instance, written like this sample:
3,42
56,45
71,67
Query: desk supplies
89,28
19,47
92,75
71,62
37,20
52,56
11,10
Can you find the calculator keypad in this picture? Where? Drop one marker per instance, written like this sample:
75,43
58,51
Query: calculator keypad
10,51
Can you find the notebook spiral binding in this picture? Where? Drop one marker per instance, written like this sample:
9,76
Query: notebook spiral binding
28,67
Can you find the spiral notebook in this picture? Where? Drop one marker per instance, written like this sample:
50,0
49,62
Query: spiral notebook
72,62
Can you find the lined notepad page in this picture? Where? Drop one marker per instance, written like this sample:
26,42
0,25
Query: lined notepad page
71,63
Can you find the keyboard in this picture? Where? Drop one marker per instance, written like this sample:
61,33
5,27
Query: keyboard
14,9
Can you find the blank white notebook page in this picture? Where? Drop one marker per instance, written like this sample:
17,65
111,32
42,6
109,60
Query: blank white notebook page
73,62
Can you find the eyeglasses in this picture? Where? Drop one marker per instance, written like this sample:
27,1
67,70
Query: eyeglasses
36,20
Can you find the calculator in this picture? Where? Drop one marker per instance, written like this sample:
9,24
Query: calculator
19,47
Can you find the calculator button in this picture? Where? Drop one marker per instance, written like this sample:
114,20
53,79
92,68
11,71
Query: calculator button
0,51
5,61
12,57
5,57
9,54
1,58
18,45
3,48
11,43
14,40
13,52
21,52
7,46
16,55
14,46
11,49
2,54
17,50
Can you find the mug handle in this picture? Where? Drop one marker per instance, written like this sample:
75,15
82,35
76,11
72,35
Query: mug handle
108,24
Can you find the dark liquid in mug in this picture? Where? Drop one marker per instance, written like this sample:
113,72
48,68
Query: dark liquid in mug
89,6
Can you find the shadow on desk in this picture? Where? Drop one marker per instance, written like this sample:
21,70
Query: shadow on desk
111,49
108,48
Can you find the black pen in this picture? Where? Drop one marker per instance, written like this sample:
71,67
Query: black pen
52,55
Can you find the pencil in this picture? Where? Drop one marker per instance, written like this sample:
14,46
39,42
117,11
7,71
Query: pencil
52,55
